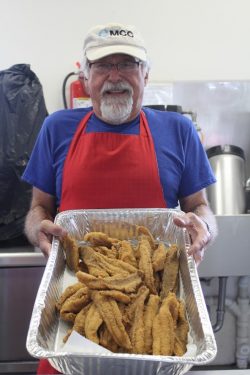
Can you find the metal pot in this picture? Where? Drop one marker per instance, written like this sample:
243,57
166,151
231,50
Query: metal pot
227,196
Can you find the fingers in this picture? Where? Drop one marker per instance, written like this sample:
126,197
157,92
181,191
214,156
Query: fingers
198,256
45,234
45,247
198,233
52,229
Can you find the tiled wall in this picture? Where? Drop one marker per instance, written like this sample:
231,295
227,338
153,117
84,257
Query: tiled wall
222,108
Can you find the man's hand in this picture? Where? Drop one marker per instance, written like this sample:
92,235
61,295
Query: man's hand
197,214
45,232
39,225
198,232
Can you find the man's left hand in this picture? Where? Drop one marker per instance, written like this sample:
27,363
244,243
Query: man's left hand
198,232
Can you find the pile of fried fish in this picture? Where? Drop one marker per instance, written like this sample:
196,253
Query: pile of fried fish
125,297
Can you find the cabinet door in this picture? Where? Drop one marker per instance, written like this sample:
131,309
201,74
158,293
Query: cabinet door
18,289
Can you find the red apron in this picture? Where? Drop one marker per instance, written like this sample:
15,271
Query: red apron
110,170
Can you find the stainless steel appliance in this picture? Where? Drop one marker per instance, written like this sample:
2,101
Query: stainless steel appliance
20,276
227,196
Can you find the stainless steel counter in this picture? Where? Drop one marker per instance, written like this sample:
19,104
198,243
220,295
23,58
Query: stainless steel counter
22,259
229,254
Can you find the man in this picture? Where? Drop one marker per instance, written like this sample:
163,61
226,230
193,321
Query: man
118,155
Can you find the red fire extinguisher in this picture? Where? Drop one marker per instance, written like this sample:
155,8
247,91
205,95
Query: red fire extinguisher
78,95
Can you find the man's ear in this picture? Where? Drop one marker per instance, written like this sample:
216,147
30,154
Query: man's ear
146,78
86,85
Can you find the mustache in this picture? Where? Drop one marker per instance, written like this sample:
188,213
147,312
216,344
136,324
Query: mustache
118,86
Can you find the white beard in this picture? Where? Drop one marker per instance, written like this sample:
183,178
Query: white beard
116,109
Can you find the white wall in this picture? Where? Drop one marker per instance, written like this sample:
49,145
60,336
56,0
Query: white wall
187,39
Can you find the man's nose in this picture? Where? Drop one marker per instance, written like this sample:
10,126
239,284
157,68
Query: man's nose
114,73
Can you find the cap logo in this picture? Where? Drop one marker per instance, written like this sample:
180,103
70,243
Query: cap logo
115,32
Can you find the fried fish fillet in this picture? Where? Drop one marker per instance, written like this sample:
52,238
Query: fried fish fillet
112,317
164,328
99,239
126,253
145,264
79,322
110,253
181,332
151,309
141,294
171,271
87,254
69,291
159,257
163,333
128,283
137,330
118,296
71,250
109,265
75,303
107,340
142,231
93,321
173,305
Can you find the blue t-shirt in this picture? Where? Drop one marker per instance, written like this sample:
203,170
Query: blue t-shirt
182,162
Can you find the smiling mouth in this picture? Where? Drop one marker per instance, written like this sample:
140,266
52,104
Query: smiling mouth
115,92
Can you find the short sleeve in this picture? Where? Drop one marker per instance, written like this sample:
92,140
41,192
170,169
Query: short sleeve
197,173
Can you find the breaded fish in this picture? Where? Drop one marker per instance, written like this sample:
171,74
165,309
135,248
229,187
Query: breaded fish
118,296
112,317
93,321
181,333
164,325
87,254
171,272
69,291
159,257
137,330
142,231
110,253
71,250
75,303
145,264
79,322
128,283
107,340
151,309
99,239
126,253
136,299
109,265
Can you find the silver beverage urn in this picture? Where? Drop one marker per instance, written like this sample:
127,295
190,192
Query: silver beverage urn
227,196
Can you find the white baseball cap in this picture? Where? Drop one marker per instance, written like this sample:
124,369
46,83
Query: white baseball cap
104,40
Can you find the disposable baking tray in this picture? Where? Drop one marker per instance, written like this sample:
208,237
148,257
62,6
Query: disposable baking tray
42,339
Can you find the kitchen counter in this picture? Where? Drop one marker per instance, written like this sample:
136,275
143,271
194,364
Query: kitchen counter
229,254
22,259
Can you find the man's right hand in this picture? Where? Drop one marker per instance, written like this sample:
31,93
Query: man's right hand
39,225
45,232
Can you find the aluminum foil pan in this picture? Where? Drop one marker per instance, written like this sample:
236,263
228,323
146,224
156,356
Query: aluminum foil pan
42,340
